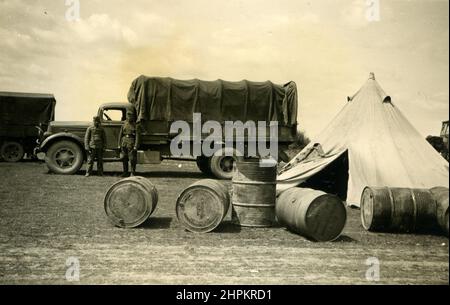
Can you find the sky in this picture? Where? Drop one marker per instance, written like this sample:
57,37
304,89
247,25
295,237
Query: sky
328,47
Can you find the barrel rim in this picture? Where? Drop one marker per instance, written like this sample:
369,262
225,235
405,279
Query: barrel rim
254,182
148,210
367,226
253,205
217,221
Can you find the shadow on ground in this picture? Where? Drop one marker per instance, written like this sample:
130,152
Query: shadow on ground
155,174
157,223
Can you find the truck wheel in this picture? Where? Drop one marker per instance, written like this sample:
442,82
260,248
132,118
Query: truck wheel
64,157
222,165
203,165
12,151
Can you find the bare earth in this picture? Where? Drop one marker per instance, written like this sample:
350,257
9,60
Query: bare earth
46,218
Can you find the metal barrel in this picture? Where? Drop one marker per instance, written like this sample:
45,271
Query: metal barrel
254,194
397,209
129,202
441,194
311,213
202,206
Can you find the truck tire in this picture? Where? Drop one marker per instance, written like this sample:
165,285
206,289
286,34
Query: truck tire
64,157
12,151
203,165
222,165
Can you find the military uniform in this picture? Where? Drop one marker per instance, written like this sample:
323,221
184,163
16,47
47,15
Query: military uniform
129,140
95,142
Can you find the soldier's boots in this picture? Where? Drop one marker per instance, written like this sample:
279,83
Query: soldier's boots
125,170
100,169
88,171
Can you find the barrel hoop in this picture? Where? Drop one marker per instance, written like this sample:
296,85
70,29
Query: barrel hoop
144,186
200,186
209,188
392,204
254,182
413,196
240,204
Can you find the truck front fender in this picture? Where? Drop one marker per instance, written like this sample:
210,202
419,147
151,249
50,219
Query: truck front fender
60,136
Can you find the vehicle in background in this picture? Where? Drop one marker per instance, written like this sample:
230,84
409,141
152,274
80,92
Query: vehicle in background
158,102
440,143
22,117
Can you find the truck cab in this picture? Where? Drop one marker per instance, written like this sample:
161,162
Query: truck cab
62,145
112,116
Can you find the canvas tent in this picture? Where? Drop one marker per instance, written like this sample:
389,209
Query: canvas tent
369,143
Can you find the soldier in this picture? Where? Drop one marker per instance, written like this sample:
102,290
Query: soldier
129,140
94,143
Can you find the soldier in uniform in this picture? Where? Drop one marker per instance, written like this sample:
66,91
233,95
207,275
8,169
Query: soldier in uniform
129,140
94,143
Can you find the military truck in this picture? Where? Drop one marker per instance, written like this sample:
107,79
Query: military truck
440,143
22,115
159,102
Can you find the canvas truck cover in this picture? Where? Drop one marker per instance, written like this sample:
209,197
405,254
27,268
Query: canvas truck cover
157,98
26,109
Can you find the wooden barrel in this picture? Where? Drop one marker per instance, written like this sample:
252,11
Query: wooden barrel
441,194
202,206
397,209
129,202
254,194
311,213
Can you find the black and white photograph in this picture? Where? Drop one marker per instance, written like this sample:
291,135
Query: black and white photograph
243,144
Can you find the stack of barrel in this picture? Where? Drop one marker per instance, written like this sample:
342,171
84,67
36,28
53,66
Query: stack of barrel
405,209
313,214
203,205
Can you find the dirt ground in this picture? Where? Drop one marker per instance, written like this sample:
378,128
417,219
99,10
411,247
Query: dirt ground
46,218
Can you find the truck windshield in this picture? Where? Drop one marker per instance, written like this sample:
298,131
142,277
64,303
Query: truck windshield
113,115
